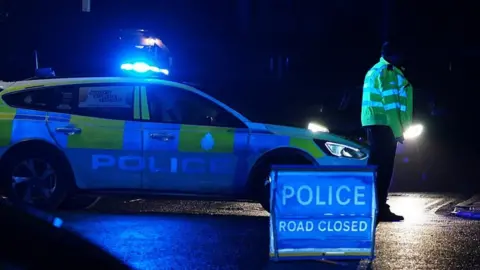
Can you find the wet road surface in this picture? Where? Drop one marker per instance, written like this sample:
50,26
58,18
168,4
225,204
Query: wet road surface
224,235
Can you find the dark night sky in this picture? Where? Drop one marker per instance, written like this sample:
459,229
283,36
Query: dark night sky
330,44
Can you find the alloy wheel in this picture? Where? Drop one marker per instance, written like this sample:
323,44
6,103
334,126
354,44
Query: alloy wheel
33,181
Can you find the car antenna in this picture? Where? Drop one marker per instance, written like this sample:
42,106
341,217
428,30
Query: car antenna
41,73
35,55
36,59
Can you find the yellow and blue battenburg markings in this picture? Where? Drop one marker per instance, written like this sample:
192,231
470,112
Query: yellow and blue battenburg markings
98,133
29,124
191,138
194,139
136,103
307,145
48,83
144,104
7,114
18,124
264,142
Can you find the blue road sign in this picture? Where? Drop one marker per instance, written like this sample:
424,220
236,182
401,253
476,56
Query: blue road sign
322,213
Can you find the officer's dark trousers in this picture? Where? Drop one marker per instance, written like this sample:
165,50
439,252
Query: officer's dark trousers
383,147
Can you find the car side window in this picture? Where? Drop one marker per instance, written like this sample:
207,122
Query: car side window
97,100
47,99
176,105
105,101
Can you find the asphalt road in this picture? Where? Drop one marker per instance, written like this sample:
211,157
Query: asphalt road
223,235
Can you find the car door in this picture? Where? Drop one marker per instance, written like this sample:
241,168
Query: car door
193,145
94,125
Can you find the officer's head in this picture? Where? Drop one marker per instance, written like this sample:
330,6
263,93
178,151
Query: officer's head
393,52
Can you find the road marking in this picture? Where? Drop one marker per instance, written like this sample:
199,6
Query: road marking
434,210
432,203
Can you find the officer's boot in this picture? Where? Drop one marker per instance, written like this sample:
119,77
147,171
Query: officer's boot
385,215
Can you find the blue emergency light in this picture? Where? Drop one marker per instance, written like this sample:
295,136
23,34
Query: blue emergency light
143,68
44,73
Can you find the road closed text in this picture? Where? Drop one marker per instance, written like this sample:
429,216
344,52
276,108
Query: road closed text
331,226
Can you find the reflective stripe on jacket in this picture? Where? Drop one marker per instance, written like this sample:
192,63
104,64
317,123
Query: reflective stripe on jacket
387,98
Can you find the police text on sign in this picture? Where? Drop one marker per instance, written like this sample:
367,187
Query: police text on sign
321,195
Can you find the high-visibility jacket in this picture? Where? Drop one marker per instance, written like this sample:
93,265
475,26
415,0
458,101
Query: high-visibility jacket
387,98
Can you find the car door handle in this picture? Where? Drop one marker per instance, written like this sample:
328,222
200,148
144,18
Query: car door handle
162,136
69,130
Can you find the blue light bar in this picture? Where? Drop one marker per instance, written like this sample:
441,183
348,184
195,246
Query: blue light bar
142,67
45,73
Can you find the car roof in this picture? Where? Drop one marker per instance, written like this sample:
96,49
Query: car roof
31,84
40,83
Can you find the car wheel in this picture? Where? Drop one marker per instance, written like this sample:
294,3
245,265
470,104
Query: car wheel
80,202
263,181
39,179
265,198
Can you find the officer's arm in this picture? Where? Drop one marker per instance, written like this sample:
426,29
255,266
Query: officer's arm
391,99
405,99
409,105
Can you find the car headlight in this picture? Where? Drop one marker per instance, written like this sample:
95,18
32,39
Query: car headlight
317,128
341,150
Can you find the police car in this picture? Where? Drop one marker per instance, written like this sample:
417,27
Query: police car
61,137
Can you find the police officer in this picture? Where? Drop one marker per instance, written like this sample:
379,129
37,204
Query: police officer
386,114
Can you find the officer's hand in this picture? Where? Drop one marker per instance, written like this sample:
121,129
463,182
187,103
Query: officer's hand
400,139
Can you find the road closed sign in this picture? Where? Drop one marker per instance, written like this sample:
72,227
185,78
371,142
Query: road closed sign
322,213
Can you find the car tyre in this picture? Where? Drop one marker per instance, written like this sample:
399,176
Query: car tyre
262,181
265,198
24,170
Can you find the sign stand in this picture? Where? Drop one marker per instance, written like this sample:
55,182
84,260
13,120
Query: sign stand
325,214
